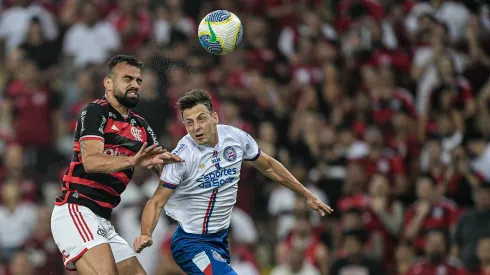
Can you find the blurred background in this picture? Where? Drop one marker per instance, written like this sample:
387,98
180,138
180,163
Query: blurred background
380,107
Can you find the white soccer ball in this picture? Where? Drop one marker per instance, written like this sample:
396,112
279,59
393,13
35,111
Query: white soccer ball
220,32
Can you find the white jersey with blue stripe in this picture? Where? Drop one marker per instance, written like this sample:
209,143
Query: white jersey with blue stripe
206,184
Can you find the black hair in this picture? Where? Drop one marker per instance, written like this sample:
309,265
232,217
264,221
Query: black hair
193,98
121,58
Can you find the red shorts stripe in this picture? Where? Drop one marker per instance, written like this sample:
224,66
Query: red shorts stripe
85,224
75,222
74,259
77,217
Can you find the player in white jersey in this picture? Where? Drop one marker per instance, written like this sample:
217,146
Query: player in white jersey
201,191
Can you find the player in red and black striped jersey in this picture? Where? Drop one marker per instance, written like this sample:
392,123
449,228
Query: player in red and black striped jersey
109,141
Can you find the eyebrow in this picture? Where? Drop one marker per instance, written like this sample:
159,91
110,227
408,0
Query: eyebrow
132,77
200,114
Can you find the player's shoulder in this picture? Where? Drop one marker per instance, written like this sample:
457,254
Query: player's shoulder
98,106
231,131
184,146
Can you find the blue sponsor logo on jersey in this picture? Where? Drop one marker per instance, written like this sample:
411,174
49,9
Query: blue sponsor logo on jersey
179,149
217,178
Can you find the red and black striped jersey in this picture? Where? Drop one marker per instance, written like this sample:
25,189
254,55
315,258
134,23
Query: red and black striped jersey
122,136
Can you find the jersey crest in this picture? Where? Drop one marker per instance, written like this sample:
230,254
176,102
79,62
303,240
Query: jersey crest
229,154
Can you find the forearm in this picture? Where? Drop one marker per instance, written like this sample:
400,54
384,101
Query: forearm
392,221
149,220
103,163
278,173
414,227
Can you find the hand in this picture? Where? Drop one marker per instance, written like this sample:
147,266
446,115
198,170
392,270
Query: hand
167,159
142,242
315,204
378,204
153,155
423,208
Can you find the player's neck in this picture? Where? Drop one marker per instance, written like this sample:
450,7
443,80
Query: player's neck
123,110
212,143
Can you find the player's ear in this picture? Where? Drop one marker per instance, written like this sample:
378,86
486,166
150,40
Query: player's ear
108,84
215,117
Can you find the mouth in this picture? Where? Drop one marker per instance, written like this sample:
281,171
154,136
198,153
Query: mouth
200,136
132,93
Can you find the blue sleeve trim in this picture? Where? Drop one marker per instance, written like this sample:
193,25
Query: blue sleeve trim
169,185
254,158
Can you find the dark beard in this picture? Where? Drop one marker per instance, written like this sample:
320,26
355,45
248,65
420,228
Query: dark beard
124,100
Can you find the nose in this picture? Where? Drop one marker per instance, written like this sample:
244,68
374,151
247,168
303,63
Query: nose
196,127
135,85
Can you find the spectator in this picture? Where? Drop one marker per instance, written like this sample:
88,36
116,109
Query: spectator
383,218
429,212
381,160
479,153
35,115
38,48
355,261
21,265
460,179
41,249
133,22
17,218
483,254
304,239
243,259
16,19
167,265
405,257
434,261
15,173
295,264
129,223
83,40
472,226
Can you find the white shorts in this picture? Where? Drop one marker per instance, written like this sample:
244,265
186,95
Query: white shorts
76,229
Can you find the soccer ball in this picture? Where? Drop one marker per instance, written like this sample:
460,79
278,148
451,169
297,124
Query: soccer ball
220,32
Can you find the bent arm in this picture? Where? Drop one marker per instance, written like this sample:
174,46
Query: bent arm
394,220
153,208
414,226
95,161
274,170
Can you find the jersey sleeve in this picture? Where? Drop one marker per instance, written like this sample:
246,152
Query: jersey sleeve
91,122
150,134
251,150
173,174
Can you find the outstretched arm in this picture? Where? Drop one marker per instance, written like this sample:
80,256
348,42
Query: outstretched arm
274,170
151,213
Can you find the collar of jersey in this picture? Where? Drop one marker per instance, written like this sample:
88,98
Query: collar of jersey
117,112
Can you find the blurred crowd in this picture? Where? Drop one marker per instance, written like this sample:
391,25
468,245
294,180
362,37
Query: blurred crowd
380,107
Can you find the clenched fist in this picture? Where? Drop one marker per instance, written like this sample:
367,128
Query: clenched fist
142,242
